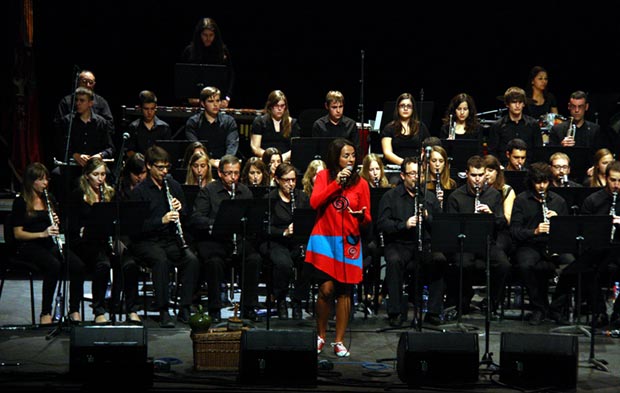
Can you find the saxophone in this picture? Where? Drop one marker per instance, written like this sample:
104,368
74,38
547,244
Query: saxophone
179,228
56,238
612,212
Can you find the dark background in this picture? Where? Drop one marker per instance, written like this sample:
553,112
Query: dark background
308,48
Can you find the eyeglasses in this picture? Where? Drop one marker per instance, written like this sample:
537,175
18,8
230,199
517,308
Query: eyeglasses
405,106
163,167
412,173
231,173
563,167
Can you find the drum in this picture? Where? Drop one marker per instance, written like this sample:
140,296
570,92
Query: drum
549,120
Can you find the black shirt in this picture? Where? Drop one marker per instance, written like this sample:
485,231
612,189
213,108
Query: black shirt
504,130
38,221
527,214
92,137
588,135
148,191
462,200
100,107
281,214
222,135
405,145
395,207
141,138
263,125
208,202
346,128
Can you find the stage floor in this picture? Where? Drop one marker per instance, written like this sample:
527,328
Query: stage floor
32,362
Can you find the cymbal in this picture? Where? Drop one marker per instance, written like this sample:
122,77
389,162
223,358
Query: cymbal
528,100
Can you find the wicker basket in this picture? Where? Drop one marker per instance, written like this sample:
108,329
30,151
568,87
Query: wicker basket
217,350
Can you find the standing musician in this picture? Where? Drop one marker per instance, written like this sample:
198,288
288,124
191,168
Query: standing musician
577,131
280,246
161,244
214,251
401,212
529,228
38,241
476,197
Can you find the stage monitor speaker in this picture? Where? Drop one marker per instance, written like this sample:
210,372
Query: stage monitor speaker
278,357
438,358
538,360
120,352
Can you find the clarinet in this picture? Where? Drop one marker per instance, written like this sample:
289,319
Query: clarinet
376,182
452,129
101,200
56,238
438,186
564,181
612,212
179,228
477,199
545,209
417,211
199,181
233,189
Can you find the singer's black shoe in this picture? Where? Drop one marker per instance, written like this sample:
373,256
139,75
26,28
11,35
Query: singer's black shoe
165,321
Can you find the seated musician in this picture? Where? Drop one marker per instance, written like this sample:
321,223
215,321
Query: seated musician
214,126
255,173
215,250
460,120
335,123
476,197
495,178
275,128
199,170
161,244
596,175
145,131
439,173
399,223
516,155
373,171
529,228
279,246
560,170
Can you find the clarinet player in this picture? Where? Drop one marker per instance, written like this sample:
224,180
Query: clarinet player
159,245
38,241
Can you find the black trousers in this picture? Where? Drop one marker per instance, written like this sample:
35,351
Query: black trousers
216,255
161,254
282,258
50,262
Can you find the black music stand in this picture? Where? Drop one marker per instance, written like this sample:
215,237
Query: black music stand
576,234
459,151
176,148
304,150
260,192
574,196
303,223
516,179
190,79
240,216
459,233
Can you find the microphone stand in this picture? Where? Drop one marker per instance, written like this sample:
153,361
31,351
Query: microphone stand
360,110
270,278
61,295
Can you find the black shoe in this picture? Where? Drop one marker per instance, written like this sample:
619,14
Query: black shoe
297,312
395,320
536,318
165,321
184,315
250,314
282,310
601,320
216,316
559,318
432,319
614,321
